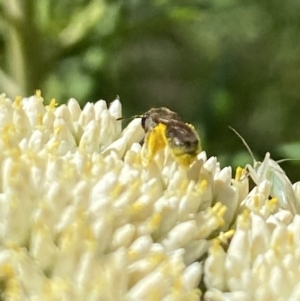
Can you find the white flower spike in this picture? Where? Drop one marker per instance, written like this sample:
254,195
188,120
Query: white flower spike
81,217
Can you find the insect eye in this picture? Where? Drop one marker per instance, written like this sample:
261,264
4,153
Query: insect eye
143,122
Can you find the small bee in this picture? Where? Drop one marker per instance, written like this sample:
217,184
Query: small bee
165,128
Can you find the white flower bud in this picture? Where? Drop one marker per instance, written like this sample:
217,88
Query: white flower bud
87,114
123,236
192,275
180,235
100,106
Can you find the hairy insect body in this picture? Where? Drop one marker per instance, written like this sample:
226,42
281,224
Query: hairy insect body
164,128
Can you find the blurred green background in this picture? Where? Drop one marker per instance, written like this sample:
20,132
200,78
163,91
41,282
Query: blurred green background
215,62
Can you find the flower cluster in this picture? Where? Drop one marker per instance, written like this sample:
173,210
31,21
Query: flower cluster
81,218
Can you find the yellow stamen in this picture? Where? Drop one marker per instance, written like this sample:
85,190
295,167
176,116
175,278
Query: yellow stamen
178,284
52,105
273,202
155,221
57,130
18,102
38,93
203,185
6,271
291,238
54,146
88,167
136,207
245,215
132,254
215,246
39,120
222,211
224,237
117,190
239,173
217,207
256,201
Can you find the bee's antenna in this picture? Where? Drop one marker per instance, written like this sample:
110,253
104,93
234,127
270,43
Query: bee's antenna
130,118
244,142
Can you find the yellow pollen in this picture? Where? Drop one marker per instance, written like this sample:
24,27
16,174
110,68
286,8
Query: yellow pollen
65,241
157,258
245,215
178,284
13,203
116,191
38,93
12,246
217,207
80,214
88,167
203,185
69,172
135,185
30,155
57,130
229,234
6,271
215,246
47,287
239,173
5,128
132,254
39,120
90,239
273,202
220,222
13,289
256,201
52,105
137,207
155,221
224,237
18,102
15,152
39,225
15,170
291,238
222,211
276,249
154,295
91,244
55,145
194,295
183,185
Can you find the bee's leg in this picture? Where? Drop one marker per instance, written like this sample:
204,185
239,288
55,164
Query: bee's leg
183,157
154,141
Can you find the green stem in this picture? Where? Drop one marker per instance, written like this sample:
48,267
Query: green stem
24,45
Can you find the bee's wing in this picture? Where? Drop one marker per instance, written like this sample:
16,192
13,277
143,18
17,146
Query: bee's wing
183,141
182,135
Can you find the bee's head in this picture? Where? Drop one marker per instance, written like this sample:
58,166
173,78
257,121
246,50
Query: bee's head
146,121
155,116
